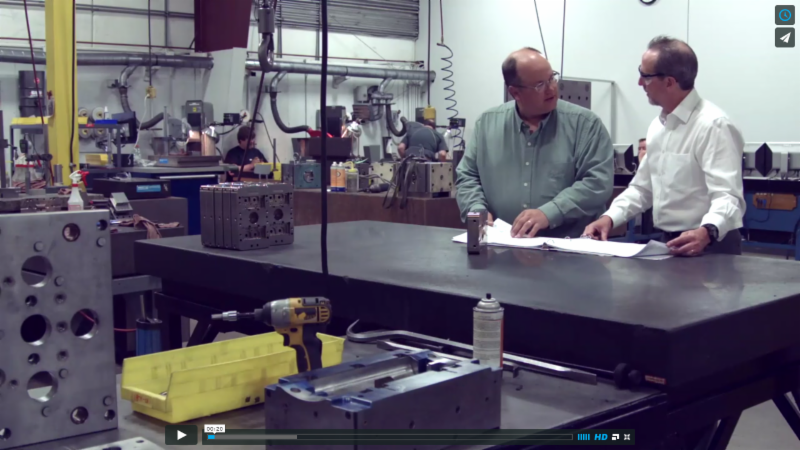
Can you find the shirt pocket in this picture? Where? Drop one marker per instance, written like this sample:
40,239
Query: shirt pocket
677,168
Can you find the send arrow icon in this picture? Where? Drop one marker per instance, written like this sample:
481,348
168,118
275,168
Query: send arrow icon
784,37
181,435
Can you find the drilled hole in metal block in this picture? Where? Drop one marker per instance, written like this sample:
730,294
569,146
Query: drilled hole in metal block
8,281
71,232
33,358
110,414
62,327
60,298
84,324
35,329
79,415
102,225
278,214
62,355
5,434
31,301
253,217
36,271
42,386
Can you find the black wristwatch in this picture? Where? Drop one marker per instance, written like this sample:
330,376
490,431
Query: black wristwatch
713,233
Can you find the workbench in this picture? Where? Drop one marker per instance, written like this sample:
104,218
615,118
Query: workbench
679,322
353,206
186,182
529,401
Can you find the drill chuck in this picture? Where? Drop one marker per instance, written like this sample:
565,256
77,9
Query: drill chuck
233,316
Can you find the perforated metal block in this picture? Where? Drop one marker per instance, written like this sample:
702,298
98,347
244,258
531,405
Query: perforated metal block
576,92
247,216
57,375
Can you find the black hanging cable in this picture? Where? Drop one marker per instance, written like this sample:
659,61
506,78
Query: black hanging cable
150,44
428,66
544,47
72,112
323,103
563,27
252,126
39,99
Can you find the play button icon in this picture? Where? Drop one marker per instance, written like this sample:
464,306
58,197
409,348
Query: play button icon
180,435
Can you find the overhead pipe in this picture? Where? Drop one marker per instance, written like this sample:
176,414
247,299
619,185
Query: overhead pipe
123,87
22,56
273,101
344,71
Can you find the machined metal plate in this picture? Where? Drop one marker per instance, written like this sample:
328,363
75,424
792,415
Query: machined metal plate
402,389
57,373
247,216
576,92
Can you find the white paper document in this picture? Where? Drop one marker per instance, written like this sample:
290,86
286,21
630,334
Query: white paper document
500,235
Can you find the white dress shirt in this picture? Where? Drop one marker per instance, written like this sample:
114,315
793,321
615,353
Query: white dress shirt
692,173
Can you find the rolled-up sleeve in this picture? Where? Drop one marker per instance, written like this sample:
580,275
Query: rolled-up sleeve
720,157
636,199
469,192
594,178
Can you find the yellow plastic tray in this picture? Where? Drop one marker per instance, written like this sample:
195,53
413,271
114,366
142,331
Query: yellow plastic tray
185,384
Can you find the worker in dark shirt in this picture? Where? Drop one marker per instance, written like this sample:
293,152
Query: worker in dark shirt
252,157
424,141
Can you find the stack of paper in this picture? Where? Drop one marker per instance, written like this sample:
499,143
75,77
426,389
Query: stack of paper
500,235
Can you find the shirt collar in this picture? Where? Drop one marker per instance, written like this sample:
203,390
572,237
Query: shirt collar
684,110
524,127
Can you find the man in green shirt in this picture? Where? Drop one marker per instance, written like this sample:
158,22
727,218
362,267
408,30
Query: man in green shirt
542,164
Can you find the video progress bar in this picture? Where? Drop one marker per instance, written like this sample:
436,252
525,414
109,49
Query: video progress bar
391,438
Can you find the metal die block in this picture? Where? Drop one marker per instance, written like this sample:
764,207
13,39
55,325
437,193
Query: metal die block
576,92
441,177
219,220
384,170
207,234
57,371
397,390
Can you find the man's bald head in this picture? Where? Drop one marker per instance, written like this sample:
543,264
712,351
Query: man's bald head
524,56
675,59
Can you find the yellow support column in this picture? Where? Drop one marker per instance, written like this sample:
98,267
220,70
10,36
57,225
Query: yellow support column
61,61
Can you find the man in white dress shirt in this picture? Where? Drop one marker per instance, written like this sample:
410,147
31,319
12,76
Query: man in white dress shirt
692,173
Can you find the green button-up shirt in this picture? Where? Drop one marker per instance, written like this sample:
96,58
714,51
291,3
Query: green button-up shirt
565,168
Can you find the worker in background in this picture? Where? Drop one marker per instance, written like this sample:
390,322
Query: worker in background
642,149
544,165
422,140
692,175
252,156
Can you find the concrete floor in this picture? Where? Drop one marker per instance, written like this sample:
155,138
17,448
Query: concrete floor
763,428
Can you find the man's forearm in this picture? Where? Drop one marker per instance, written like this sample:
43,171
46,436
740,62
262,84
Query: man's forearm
632,201
577,201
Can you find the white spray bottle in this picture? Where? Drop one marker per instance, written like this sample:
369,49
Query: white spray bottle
75,202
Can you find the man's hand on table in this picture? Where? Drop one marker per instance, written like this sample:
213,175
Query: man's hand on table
528,223
690,243
489,219
599,229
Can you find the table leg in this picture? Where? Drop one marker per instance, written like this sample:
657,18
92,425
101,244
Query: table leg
722,435
171,337
789,412
199,333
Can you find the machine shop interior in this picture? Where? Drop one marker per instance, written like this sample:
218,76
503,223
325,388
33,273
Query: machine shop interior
306,224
